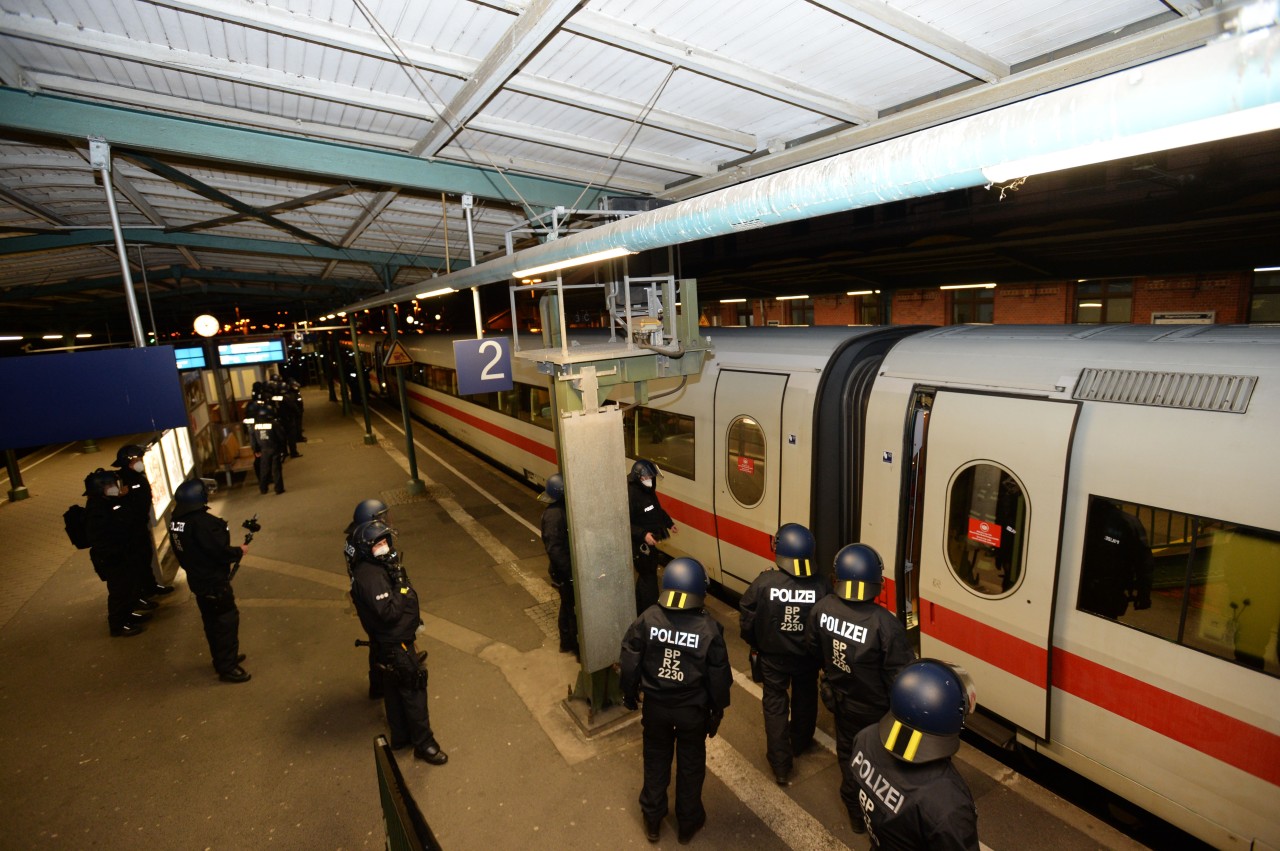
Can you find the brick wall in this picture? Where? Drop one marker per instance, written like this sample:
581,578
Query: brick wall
1227,294
920,307
1033,304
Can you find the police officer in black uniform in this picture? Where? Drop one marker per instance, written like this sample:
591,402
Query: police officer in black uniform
772,617
366,511
388,610
1117,567
290,416
137,496
204,549
675,654
650,523
267,438
862,647
555,540
110,530
910,795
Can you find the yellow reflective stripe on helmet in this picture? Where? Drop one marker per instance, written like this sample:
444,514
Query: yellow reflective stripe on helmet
848,589
807,570
862,591
912,746
893,735
671,599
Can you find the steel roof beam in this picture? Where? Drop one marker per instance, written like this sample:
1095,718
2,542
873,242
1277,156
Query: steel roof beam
212,242
145,131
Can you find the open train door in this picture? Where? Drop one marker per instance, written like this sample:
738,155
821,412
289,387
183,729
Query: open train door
748,447
993,491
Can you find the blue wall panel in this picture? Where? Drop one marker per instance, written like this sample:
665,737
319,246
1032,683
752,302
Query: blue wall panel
81,395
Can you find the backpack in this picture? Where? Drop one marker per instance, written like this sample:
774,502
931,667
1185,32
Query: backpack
77,530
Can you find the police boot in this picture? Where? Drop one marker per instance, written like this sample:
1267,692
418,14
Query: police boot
159,590
651,828
687,831
142,604
127,630
235,675
432,754
138,617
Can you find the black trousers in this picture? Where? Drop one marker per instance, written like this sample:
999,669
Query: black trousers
789,720
404,700
646,580
270,467
567,622
681,730
850,720
122,594
221,627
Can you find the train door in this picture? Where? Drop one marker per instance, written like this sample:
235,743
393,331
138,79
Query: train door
993,471
748,443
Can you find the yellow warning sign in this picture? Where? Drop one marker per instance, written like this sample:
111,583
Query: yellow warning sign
397,356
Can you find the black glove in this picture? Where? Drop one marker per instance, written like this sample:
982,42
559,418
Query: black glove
629,701
714,717
757,676
827,694
1142,601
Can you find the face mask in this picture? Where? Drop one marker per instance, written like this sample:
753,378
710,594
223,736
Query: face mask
113,490
381,548
137,466
647,482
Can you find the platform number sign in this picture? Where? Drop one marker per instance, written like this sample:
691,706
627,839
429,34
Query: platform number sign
483,365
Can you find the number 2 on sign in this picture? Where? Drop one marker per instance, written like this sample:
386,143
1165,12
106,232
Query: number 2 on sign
486,374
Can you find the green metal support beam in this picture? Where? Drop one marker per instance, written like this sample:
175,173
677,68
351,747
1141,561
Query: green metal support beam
162,134
212,242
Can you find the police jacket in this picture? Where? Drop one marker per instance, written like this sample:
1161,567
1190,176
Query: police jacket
385,601
555,539
107,523
203,545
138,498
862,647
677,658
908,806
647,514
774,609
267,434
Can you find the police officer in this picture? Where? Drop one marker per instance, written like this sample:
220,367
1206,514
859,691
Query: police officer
772,617
649,524
110,531
294,391
204,549
910,795
290,415
675,654
366,511
137,497
267,438
555,540
388,610
1117,567
862,647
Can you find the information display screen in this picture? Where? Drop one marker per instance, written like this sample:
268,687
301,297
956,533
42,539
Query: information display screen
190,358
259,351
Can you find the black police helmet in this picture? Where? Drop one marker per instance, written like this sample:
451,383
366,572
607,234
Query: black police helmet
97,482
643,468
370,509
684,584
554,491
859,573
928,704
368,536
192,492
793,549
126,452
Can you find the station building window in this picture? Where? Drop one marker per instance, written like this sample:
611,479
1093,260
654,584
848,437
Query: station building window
664,437
746,464
1264,298
1208,584
866,309
986,522
977,305
1104,302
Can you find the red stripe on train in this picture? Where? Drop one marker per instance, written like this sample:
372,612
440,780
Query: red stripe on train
1235,742
1023,659
533,447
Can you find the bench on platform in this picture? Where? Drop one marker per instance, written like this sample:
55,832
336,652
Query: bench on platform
232,457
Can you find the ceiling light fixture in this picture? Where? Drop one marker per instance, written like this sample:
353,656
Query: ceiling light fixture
1089,304
1240,123
732,300
864,292
1267,269
441,291
968,287
51,337
83,336
607,254
10,338
788,297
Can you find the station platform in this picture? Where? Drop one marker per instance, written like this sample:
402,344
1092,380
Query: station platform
126,743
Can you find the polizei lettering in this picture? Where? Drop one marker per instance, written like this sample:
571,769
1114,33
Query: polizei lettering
796,595
673,636
843,628
876,783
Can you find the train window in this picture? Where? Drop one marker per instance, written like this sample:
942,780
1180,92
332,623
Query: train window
1207,584
664,437
746,464
986,528
444,380
535,405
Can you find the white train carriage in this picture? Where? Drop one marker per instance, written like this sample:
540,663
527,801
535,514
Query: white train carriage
972,458
994,458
